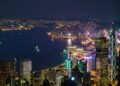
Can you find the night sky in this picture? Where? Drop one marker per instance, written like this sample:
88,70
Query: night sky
61,9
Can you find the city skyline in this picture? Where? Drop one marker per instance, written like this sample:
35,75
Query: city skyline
59,43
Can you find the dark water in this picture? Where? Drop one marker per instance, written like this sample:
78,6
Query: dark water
21,45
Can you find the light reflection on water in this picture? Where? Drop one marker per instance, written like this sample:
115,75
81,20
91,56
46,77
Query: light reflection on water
69,42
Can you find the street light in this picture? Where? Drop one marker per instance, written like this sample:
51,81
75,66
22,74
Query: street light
72,78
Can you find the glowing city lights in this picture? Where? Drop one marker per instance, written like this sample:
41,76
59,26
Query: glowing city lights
69,42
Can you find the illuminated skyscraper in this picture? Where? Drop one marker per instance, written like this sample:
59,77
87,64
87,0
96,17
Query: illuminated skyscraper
68,66
7,72
102,60
112,53
26,69
82,66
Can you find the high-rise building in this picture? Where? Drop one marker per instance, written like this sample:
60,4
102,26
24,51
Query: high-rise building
113,54
7,72
118,68
102,60
26,69
82,66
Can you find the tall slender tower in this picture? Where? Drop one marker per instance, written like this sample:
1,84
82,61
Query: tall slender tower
68,61
113,52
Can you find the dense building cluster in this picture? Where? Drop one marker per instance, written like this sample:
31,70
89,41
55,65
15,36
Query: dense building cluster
92,60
